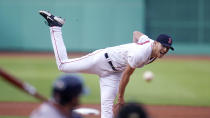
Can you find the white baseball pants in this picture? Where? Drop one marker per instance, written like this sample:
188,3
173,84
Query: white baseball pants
93,63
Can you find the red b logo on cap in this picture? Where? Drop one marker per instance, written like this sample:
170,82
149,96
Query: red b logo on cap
169,41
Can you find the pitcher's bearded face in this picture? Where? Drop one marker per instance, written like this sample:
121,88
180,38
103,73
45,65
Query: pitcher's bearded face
160,50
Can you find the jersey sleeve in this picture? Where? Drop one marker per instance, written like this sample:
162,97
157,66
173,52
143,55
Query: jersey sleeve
139,55
143,39
135,60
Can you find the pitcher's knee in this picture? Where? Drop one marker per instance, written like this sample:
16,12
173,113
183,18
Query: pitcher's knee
61,68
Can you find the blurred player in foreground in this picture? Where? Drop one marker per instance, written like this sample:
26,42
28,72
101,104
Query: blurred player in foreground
114,65
66,93
132,110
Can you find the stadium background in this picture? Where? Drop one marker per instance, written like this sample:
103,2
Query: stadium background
180,79
106,23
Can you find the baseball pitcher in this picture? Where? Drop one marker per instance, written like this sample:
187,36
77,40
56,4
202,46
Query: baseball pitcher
113,65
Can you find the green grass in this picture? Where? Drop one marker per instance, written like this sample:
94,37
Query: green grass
177,82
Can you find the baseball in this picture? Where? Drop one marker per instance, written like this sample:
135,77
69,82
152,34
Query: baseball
148,76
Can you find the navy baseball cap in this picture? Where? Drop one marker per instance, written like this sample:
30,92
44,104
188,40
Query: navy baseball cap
70,83
68,86
165,40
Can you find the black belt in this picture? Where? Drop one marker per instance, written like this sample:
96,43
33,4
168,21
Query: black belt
109,61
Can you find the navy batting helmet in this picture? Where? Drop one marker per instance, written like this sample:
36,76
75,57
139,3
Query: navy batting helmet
67,87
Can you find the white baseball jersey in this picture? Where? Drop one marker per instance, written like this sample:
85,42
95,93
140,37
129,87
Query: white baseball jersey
134,54
47,110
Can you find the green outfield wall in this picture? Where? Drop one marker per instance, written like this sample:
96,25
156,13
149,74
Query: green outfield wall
187,21
90,24
95,24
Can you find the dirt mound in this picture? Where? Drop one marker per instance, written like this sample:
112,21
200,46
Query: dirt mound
25,108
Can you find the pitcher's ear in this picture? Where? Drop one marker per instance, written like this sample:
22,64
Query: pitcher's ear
155,43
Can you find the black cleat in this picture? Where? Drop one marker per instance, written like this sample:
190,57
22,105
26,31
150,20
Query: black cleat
52,20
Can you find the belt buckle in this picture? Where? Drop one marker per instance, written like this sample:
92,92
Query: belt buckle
108,59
